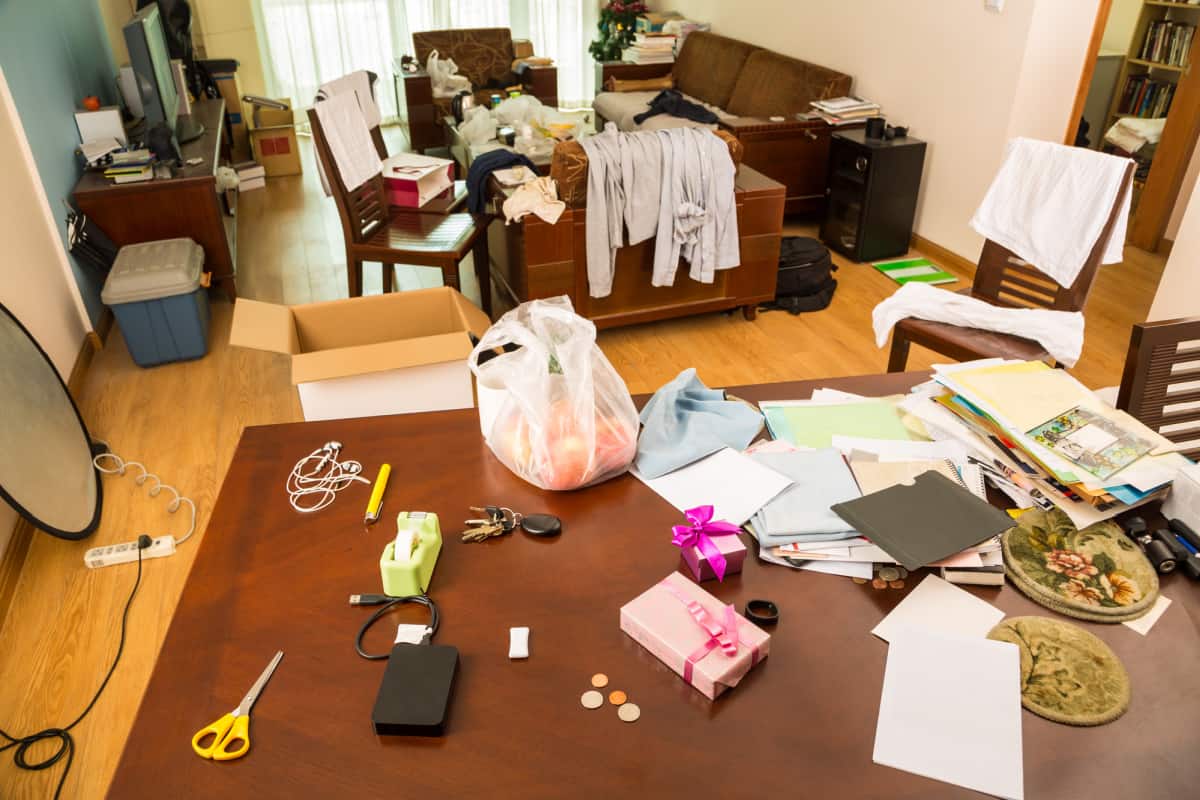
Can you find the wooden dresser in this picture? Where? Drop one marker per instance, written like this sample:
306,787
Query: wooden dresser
168,208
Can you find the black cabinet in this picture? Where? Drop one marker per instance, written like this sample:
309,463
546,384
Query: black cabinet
872,193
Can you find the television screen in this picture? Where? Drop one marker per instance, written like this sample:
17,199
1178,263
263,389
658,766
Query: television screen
152,65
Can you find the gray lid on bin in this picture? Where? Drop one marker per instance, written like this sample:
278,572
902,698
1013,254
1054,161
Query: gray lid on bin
152,270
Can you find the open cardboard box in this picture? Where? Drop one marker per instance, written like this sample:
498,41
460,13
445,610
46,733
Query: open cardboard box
396,353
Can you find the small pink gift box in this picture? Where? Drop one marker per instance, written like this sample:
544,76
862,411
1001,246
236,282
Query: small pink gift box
708,644
711,549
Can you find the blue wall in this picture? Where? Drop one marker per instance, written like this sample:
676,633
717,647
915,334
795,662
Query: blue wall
55,53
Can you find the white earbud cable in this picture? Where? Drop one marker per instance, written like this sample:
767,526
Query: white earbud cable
322,481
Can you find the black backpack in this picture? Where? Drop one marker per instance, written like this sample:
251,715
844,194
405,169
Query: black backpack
805,281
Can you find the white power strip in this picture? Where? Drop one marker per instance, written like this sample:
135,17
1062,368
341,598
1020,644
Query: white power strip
127,552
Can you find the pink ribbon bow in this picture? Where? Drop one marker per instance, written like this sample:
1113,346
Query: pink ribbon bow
699,534
720,634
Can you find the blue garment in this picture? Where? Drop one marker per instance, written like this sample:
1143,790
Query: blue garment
485,165
686,421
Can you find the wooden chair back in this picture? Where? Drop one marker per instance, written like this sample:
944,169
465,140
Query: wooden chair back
1005,279
362,210
1161,382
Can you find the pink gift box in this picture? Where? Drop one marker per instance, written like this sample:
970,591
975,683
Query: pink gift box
705,642
730,546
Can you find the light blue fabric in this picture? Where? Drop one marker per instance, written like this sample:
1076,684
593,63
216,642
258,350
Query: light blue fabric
801,513
686,421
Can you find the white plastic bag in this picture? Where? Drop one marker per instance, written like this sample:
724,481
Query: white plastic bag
477,126
443,74
565,418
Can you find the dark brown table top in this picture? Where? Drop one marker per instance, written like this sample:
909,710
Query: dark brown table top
801,724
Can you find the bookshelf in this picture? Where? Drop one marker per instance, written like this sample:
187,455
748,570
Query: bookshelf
1158,55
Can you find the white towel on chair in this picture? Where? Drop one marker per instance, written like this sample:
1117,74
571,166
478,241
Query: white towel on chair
360,84
1049,203
1060,333
349,139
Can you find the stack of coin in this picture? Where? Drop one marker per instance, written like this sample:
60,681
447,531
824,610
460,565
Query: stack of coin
593,699
886,576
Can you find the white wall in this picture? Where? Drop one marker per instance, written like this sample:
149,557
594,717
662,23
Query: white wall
950,69
1179,291
35,280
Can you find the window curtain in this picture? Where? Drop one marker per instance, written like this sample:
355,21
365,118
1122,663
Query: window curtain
309,42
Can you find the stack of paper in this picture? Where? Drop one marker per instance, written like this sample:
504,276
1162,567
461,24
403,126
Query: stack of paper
1047,440
845,110
650,48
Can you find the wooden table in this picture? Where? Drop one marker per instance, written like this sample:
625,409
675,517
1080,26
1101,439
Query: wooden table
801,724
167,208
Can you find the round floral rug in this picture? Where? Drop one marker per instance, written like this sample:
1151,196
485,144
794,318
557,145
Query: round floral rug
1096,574
1067,674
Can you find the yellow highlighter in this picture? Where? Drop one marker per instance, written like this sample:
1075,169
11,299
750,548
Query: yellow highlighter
376,502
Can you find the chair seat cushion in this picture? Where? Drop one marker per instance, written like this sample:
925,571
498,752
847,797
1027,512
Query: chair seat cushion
966,343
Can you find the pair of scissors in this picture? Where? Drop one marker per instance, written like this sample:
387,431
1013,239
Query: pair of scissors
233,728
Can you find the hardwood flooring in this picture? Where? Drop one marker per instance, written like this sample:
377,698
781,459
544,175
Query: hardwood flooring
183,421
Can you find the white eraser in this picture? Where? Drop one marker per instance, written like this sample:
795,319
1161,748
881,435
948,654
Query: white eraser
406,542
518,642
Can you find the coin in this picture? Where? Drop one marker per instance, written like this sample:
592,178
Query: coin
889,573
903,572
859,581
629,712
879,583
591,700
599,680
617,698
896,584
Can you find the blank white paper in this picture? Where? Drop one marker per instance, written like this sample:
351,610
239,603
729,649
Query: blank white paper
951,711
938,605
1144,623
735,485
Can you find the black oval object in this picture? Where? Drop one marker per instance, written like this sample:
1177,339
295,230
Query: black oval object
542,525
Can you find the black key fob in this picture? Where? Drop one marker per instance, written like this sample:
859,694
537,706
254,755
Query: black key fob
541,525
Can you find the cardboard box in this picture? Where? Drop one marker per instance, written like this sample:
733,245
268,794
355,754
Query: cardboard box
412,180
660,620
239,141
273,140
397,353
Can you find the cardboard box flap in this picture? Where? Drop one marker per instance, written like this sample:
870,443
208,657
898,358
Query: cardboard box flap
379,357
472,316
338,324
264,326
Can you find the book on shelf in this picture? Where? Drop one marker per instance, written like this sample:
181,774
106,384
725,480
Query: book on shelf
1167,42
1145,97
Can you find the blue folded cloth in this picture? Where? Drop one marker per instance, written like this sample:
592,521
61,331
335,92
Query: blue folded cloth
686,421
802,511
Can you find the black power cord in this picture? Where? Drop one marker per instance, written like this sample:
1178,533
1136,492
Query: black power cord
66,747
386,603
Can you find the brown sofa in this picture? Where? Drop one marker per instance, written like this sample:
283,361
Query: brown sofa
744,85
532,259
485,56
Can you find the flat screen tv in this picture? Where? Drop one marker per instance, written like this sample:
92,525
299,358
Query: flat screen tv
151,63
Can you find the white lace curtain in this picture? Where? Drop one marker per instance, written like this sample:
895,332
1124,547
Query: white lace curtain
309,42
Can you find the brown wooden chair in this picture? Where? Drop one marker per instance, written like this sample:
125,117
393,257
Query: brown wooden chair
374,231
1004,279
1163,355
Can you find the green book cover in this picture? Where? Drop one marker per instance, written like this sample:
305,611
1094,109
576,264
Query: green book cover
914,269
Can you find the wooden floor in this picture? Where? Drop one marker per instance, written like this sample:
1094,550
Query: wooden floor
184,420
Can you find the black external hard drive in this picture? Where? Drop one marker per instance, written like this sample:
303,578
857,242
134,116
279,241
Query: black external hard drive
415,692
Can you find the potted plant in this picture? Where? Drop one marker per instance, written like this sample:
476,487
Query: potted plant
616,26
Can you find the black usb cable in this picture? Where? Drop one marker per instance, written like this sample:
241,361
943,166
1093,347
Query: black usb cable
386,603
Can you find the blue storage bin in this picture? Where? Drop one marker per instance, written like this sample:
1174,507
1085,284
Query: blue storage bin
156,290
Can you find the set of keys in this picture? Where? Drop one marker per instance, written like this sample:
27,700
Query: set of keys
499,520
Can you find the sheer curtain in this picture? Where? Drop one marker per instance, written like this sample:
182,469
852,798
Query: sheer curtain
309,42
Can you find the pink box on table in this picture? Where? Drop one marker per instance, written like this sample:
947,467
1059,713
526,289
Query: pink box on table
705,642
730,547
412,180
710,548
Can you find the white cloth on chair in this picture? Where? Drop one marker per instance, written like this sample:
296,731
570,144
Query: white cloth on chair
359,84
1060,333
1049,203
349,139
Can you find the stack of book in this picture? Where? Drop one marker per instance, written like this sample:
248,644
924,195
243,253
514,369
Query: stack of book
251,175
130,166
845,110
650,48
1167,42
1143,97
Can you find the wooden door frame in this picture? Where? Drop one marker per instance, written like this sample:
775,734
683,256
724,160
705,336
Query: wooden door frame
1089,69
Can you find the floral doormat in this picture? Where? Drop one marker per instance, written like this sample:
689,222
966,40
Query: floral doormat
1067,674
1096,574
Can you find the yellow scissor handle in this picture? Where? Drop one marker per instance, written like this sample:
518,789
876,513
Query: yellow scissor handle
226,731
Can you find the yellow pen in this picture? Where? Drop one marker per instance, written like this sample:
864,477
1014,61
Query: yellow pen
376,502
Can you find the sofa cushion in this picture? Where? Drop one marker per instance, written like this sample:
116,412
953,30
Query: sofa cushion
621,107
773,84
484,55
708,66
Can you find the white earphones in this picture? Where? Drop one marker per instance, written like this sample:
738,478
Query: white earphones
324,480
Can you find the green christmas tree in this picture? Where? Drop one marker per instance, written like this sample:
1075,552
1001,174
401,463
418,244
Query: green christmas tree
616,29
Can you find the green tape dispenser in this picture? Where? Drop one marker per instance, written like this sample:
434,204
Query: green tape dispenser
407,563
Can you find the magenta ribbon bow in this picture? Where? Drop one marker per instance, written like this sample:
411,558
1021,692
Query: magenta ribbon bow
721,633
699,534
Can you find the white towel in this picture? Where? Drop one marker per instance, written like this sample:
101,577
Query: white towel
349,139
1060,333
360,84
1133,133
1049,203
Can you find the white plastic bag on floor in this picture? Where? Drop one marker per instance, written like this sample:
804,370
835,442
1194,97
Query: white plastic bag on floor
443,74
563,417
